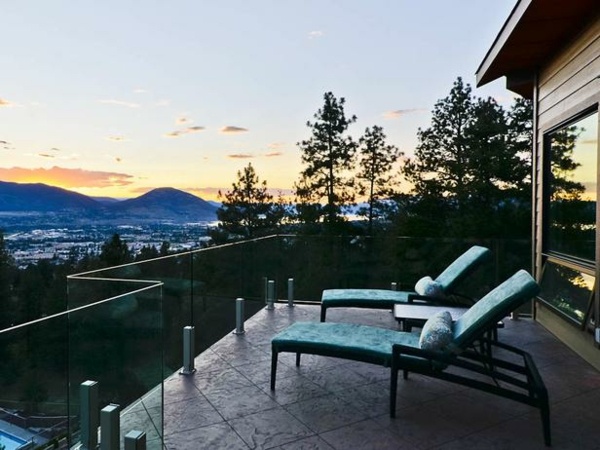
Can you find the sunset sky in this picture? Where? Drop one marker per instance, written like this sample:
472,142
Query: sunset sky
114,98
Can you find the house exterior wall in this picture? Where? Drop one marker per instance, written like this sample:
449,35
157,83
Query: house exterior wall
567,85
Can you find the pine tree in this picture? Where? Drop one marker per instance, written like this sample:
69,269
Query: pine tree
328,159
248,209
376,177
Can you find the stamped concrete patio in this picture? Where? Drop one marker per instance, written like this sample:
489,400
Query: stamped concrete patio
330,403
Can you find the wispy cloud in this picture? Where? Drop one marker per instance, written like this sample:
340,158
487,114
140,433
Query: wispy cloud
5,103
590,141
315,34
46,155
273,154
182,120
230,129
119,103
117,138
276,145
139,91
204,191
396,114
188,130
240,156
66,178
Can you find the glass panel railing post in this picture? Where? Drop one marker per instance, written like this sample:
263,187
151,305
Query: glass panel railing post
110,427
270,295
89,414
135,440
239,316
188,351
290,292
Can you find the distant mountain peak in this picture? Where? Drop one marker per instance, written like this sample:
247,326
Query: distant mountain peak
165,203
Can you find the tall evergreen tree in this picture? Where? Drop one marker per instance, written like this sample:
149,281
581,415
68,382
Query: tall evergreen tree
248,209
376,176
328,159
468,173
115,252
7,269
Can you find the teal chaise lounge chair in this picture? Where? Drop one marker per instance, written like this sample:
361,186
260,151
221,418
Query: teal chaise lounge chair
442,344
426,289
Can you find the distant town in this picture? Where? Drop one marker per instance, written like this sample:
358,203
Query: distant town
44,222
29,243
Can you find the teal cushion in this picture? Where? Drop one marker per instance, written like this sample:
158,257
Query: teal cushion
430,288
351,339
498,303
437,332
462,266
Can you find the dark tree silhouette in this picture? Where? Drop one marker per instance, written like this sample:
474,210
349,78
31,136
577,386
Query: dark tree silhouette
115,252
248,209
376,176
328,159
471,168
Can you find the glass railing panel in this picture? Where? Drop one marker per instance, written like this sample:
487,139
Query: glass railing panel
33,383
118,342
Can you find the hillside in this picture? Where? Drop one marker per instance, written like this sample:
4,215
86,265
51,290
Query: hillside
163,204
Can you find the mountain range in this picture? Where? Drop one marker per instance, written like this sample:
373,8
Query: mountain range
161,204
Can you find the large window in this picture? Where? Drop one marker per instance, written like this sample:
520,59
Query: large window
572,152
568,279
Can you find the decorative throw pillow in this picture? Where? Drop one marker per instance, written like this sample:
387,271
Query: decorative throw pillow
437,331
429,287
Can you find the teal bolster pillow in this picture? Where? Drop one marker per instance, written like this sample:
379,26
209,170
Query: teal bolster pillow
430,288
437,332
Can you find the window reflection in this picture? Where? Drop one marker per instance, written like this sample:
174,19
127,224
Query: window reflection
572,189
568,290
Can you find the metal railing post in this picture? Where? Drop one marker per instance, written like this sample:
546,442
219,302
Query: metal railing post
291,292
270,294
188,351
110,427
239,316
89,414
135,440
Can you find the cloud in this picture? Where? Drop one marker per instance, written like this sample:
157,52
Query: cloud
140,91
45,155
273,154
182,120
188,130
396,114
117,138
66,178
276,145
119,103
590,142
232,130
5,103
194,129
240,156
315,34
54,149
205,191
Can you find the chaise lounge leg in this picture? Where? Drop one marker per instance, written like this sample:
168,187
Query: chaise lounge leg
393,391
545,413
274,355
323,313
298,359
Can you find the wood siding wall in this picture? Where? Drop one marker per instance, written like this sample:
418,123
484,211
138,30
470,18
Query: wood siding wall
566,86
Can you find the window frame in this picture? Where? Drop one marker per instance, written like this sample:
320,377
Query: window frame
570,261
